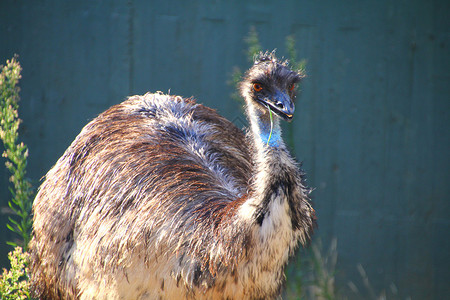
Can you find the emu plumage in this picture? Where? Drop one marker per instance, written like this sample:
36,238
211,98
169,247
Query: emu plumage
161,197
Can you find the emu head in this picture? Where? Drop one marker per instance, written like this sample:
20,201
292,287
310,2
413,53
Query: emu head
270,84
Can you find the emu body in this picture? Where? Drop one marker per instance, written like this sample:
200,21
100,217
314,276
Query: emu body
162,198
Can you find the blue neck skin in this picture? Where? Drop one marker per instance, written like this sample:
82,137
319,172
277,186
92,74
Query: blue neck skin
273,139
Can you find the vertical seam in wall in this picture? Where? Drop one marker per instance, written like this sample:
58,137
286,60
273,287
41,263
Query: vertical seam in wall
130,53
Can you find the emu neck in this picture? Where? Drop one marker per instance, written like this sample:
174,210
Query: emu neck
272,162
274,185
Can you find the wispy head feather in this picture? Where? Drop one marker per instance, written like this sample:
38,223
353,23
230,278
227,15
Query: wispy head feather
267,56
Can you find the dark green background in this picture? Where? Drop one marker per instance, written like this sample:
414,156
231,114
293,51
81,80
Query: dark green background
371,125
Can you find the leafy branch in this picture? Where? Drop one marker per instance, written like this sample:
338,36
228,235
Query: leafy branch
14,283
16,153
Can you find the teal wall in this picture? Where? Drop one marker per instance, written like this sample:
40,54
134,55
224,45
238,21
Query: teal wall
372,123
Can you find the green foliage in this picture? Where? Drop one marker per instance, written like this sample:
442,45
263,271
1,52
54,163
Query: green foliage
16,152
253,44
234,82
300,66
370,293
253,48
312,274
324,268
14,284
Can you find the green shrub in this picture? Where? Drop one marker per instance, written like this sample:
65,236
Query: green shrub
16,153
14,283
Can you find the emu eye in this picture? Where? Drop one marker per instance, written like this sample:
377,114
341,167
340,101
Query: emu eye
257,87
292,87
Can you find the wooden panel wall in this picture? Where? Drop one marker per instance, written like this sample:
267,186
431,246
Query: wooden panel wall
372,123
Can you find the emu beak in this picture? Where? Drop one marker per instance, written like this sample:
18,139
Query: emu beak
282,105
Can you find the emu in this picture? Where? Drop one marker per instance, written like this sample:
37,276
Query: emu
160,197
